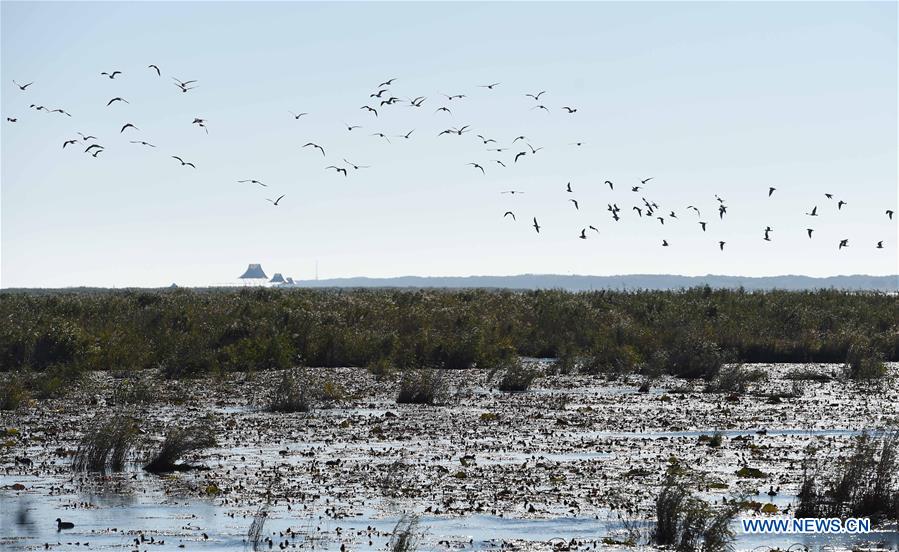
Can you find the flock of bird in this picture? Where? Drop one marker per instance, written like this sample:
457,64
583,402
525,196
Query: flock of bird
382,99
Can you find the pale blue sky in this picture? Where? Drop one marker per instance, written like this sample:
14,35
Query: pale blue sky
707,98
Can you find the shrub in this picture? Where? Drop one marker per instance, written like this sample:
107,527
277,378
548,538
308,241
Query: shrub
107,446
733,379
405,535
864,484
179,442
424,386
12,392
516,376
863,362
292,394
694,357
688,524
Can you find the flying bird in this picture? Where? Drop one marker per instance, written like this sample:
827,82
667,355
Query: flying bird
200,123
355,167
490,86
889,213
513,192
843,243
387,82
67,142
639,210
635,188
814,212
11,119
536,96
307,144
141,142
351,127
454,96
703,225
158,72
568,188
98,152
378,93
86,138
297,115
499,162
771,191
810,230
63,111
416,102
369,108
609,182
570,109
519,154
252,181
583,235
22,87
116,99
543,107
381,135
128,125
444,108
595,229
880,244
507,213
407,135
92,146
337,169
183,85
183,163
111,75
840,204
828,196
485,140
721,245
533,150
575,203
275,202
644,181
664,243
475,165
722,209
536,226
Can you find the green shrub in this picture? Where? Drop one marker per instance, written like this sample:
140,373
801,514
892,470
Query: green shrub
13,392
516,376
424,386
292,394
863,362
689,524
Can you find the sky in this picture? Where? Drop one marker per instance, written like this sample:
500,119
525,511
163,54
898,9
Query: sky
708,99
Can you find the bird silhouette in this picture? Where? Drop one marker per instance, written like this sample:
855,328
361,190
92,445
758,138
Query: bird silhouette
388,82
513,192
275,202
351,127
583,235
355,166
507,213
536,226
843,243
703,225
569,109
611,185
536,96
11,119
92,146
141,142
337,169
111,75
184,85
664,243
568,188
183,163
771,191
381,135
880,245
809,230
297,115
86,138
158,72
889,213
490,86
128,125
22,87
371,109
814,212
252,181
840,204
574,201
519,154
67,142
307,144
444,108
116,99
644,181
497,161
475,165
721,245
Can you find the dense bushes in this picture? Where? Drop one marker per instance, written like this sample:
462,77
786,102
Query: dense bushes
689,333
687,523
865,484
